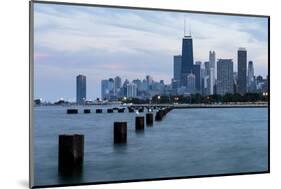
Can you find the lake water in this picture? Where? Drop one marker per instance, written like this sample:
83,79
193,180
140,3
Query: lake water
187,142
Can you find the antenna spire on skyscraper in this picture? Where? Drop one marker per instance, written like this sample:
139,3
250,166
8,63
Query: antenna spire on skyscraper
184,28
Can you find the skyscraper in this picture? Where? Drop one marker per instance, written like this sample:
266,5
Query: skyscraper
187,58
177,67
213,71
242,70
225,76
175,85
211,82
117,82
206,90
251,77
131,90
191,83
117,85
235,80
212,60
104,88
149,80
80,89
111,88
197,73
124,88
202,76
144,85
207,68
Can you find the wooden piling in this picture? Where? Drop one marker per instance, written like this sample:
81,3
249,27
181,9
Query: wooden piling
159,115
71,153
131,110
139,123
120,132
87,111
149,119
115,108
72,111
98,111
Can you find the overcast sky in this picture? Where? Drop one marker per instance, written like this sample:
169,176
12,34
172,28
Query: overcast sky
104,42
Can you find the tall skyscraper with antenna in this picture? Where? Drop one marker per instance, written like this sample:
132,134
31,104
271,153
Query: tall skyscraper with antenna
187,57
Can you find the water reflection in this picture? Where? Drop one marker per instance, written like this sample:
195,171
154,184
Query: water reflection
76,176
120,148
187,142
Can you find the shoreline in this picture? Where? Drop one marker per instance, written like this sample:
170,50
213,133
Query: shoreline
175,106
191,106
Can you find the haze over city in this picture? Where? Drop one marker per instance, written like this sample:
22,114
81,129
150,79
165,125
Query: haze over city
106,42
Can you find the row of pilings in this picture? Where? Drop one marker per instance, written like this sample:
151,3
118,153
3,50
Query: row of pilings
131,109
71,147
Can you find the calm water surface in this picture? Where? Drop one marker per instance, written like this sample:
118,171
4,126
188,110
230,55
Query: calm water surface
187,142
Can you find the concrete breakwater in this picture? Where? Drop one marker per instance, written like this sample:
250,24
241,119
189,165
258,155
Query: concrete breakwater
186,106
150,107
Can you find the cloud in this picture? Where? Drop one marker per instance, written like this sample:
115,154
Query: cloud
102,42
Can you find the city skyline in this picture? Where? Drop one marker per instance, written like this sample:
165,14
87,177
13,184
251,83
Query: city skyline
135,56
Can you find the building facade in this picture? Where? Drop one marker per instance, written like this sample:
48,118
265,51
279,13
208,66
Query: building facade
197,73
131,90
212,60
104,88
251,82
242,71
187,59
177,67
117,85
80,89
211,81
191,83
225,76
